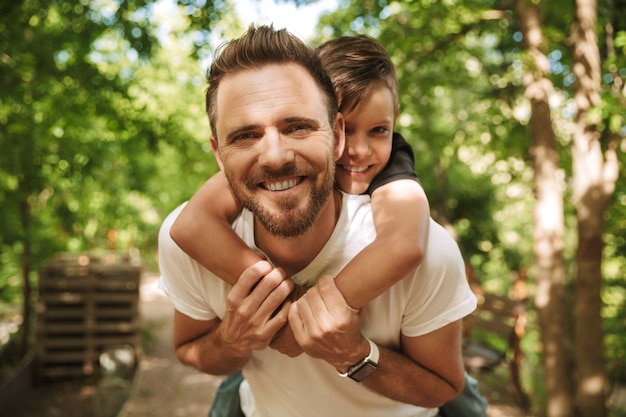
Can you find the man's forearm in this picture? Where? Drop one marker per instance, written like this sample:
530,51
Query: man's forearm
210,354
401,379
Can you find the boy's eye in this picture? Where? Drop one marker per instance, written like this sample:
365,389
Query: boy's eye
380,130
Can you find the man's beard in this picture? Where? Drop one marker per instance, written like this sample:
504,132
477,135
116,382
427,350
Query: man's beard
291,220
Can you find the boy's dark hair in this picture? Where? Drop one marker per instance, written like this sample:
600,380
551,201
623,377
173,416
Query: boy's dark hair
261,46
355,64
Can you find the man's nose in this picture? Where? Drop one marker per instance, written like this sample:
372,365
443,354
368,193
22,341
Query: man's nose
276,149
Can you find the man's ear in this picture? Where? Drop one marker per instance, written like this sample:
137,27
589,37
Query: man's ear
216,152
339,131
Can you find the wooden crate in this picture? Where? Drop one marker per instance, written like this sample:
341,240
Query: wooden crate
87,304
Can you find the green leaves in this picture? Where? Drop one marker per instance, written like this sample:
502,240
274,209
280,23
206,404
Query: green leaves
90,99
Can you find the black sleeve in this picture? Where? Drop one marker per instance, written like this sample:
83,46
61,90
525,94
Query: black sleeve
401,165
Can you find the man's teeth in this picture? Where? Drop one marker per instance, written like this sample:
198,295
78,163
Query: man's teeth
355,169
280,186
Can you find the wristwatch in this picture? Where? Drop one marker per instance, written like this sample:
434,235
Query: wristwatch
365,367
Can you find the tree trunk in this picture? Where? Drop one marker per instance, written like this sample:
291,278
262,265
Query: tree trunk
550,298
594,175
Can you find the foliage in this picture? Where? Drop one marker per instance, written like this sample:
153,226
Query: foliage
98,106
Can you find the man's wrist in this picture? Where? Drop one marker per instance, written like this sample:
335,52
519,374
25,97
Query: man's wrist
364,367
356,355
233,349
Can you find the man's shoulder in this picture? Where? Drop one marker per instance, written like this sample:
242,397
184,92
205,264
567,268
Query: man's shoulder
166,225
168,249
441,248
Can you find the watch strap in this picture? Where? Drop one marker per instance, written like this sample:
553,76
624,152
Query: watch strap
366,366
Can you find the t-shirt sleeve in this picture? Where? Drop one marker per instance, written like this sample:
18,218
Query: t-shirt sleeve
400,165
442,294
181,276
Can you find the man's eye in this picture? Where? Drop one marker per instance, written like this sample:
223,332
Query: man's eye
299,128
243,136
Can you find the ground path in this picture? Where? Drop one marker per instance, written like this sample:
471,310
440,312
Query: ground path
163,386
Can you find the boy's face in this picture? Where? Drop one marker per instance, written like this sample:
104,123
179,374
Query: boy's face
369,130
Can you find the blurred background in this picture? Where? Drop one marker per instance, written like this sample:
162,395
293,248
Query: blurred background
515,110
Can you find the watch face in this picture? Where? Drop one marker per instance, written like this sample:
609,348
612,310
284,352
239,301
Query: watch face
366,369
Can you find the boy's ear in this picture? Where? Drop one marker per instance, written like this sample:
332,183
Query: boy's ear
216,152
339,131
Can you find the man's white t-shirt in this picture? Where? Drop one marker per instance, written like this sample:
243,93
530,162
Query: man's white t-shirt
432,296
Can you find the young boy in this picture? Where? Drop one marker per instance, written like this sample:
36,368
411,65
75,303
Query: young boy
375,161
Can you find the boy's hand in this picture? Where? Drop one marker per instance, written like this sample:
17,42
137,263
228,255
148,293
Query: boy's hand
285,342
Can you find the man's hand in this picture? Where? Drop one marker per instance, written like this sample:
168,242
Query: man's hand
257,307
326,327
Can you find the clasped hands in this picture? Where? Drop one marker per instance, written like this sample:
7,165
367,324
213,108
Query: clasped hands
264,310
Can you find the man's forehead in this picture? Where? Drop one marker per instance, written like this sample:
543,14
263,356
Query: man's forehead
284,72
277,90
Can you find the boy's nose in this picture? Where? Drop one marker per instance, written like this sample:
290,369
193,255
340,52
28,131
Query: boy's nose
357,145
276,150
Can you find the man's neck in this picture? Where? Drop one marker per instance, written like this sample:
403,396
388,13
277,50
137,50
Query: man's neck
293,254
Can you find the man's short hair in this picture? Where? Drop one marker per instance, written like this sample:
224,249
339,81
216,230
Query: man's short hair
261,46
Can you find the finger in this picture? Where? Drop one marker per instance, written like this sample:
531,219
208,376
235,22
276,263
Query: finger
328,291
311,309
321,297
271,280
273,300
275,323
295,322
332,298
248,280
263,299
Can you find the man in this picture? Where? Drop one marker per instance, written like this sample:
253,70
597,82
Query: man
276,135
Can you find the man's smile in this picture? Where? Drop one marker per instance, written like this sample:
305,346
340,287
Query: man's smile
281,185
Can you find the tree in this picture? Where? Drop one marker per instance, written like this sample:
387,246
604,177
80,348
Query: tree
595,172
550,296
79,138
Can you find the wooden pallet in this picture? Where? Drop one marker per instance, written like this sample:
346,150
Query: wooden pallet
87,304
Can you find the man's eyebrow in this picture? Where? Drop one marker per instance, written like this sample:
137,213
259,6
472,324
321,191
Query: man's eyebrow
247,128
302,119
